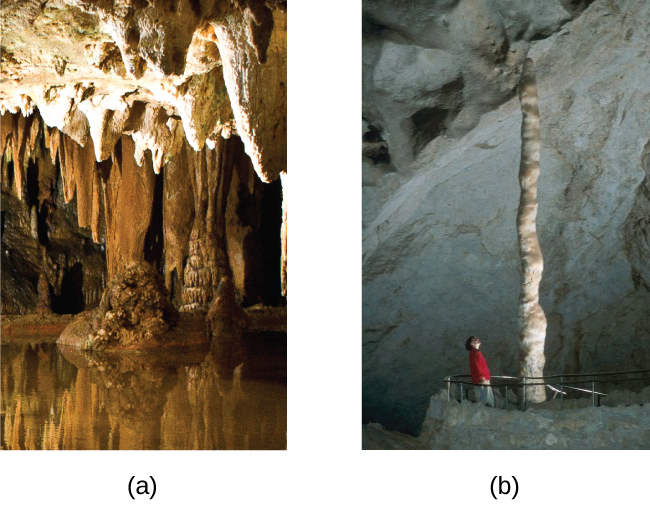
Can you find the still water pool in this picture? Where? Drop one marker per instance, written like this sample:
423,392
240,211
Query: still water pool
58,398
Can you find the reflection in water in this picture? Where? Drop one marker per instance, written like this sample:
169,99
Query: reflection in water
57,398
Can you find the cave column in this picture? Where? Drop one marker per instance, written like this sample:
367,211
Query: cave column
532,319
212,172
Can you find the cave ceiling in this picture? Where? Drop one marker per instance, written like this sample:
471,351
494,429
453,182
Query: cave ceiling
157,71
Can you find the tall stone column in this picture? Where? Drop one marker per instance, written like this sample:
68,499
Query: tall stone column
532,319
211,175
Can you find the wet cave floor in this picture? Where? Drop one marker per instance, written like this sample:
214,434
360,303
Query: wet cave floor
57,397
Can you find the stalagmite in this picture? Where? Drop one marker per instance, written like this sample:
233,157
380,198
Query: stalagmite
531,315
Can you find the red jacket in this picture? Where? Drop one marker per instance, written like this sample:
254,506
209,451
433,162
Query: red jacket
478,367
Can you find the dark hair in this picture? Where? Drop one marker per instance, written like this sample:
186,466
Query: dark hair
468,343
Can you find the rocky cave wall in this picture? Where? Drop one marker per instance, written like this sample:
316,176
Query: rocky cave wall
143,131
441,146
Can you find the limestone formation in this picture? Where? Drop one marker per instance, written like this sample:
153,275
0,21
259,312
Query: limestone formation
134,118
440,257
128,195
134,313
531,315
201,63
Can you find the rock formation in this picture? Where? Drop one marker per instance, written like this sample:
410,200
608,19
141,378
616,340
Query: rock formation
470,426
531,315
441,144
134,313
160,129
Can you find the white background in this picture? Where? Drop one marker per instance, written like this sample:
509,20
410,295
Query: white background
324,465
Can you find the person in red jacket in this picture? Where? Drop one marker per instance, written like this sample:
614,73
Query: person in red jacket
480,372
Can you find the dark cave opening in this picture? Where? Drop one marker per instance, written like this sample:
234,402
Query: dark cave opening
32,184
10,174
154,239
71,300
429,123
262,250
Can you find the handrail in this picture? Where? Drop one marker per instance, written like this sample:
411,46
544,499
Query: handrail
523,382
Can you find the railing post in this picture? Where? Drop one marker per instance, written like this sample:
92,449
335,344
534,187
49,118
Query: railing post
507,403
593,393
461,392
561,394
524,396
448,389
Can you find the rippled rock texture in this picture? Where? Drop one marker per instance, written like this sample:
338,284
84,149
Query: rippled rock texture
441,145
146,131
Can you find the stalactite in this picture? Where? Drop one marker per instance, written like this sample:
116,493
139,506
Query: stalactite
67,158
19,143
46,176
531,315
6,131
96,203
84,174
128,198
54,143
258,92
34,132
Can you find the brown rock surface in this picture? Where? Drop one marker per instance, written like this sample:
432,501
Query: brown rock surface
134,313
128,193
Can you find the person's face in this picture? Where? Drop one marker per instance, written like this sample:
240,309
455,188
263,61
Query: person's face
476,343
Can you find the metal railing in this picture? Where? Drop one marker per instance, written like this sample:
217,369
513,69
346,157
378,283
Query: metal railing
566,386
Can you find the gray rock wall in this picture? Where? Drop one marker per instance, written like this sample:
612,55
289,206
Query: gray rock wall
440,257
